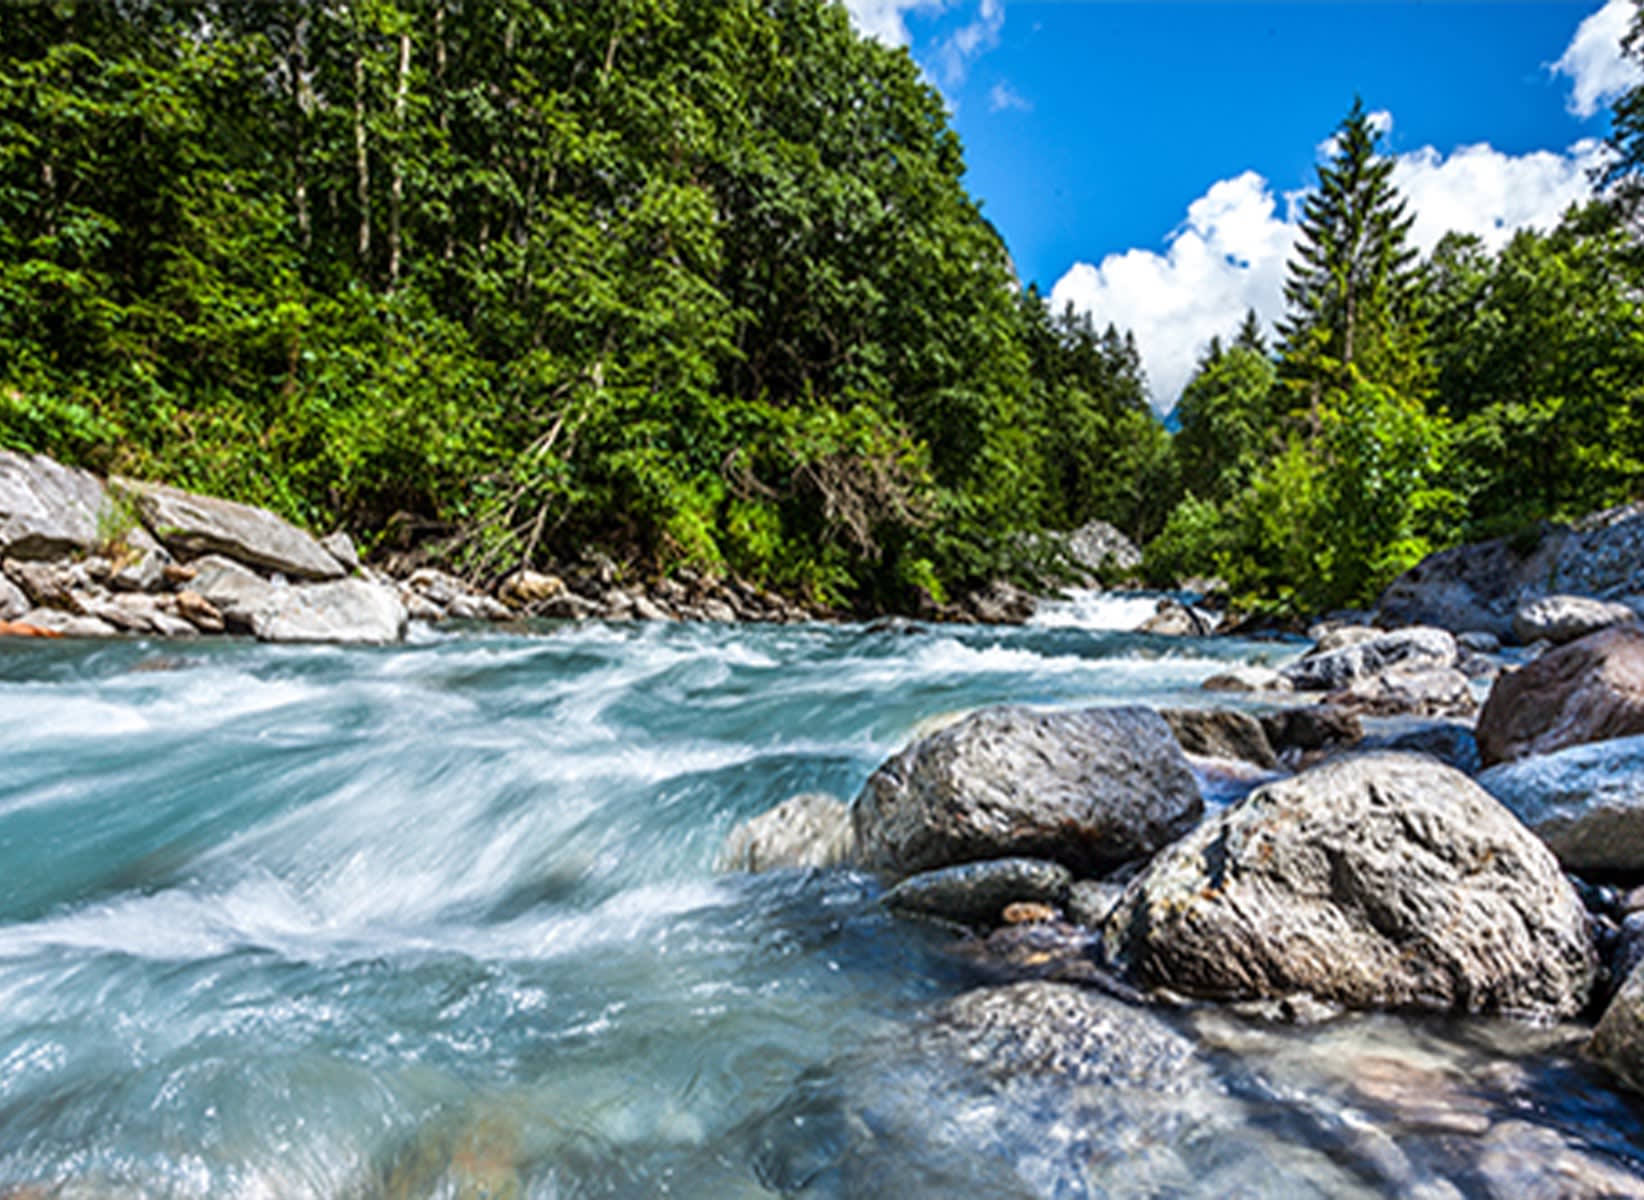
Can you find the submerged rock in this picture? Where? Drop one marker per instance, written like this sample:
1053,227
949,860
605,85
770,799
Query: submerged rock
808,830
1379,881
977,893
1586,802
1591,690
189,524
1090,789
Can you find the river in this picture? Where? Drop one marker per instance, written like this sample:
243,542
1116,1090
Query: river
441,920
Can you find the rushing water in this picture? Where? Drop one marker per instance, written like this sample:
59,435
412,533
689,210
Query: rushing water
441,920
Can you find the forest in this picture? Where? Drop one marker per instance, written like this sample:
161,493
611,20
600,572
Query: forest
698,282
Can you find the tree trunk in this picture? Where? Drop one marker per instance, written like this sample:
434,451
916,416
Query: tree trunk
362,164
396,187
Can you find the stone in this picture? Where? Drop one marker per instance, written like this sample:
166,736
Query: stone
1586,802
436,586
1333,670
1221,733
199,612
345,610
1089,788
1096,549
1001,603
190,524
1591,690
647,609
1603,554
1312,727
1327,637
1425,692
568,606
1090,901
1520,1160
1618,1042
1380,881
48,510
420,608
13,602
977,893
140,563
67,624
137,612
48,584
1172,618
527,589
478,607
235,592
1029,912
1475,587
1247,679
1562,619
808,830
341,547
178,574
1451,742
713,609
1478,641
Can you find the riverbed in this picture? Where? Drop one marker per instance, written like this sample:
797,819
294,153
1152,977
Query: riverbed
442,919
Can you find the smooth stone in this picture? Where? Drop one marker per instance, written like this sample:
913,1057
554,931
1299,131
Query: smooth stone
1591,690
1090,788
47,509
1376,881
1586,802
808,830
346,610
1562,619
1220,733
977,893
190,524
1333,670
1525,1161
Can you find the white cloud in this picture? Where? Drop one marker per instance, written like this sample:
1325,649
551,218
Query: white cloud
970,41
1003,97
1593,61
882,19
1231,252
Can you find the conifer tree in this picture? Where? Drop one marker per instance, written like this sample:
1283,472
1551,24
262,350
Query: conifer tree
1351,281
1624,173
1250,336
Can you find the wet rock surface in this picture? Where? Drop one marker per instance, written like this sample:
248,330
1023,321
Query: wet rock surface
1591,690
1088,788
1378,881
808,830
1586,802
977,893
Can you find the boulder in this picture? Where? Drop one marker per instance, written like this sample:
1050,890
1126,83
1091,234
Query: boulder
1424,692
1472,587
345,610
235,592
1090,789
199,612
1377,881
49,584
139,563
1090,901
977,893
1591,690
13,603
66,624
1618,1042
189,524
1001,603
341,547
1097,548
808,830
1561,619
1451,742
1586,802
1247,679
1333,670
1329,636
1312,727
525,589
136,612
1602,555
1221,733
47,509
1172,618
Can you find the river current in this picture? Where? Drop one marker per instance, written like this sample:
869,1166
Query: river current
442,920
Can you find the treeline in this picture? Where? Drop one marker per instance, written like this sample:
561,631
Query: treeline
1410,403
684,281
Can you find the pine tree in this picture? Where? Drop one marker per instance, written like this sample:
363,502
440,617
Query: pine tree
1250,336
1624,173
1351,281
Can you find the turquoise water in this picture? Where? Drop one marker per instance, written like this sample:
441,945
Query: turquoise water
441,920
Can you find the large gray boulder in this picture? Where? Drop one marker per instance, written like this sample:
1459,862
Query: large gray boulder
1618,1042
1473,587
1408,649
1602,555
345,610
1586,802
190,525
1378,881
808,830
1561,619
47,509
1591,690
1090,789
1423,692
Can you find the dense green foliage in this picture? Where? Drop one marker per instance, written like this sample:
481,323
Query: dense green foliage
684,280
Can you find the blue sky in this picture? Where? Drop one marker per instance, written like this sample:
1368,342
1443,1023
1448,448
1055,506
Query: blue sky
1143,159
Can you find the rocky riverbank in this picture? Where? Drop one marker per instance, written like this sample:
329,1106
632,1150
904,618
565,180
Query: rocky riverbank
1275,860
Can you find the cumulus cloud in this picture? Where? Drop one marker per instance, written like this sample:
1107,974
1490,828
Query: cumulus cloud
1004,98
882,19
1593,62
970,41
1231,252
